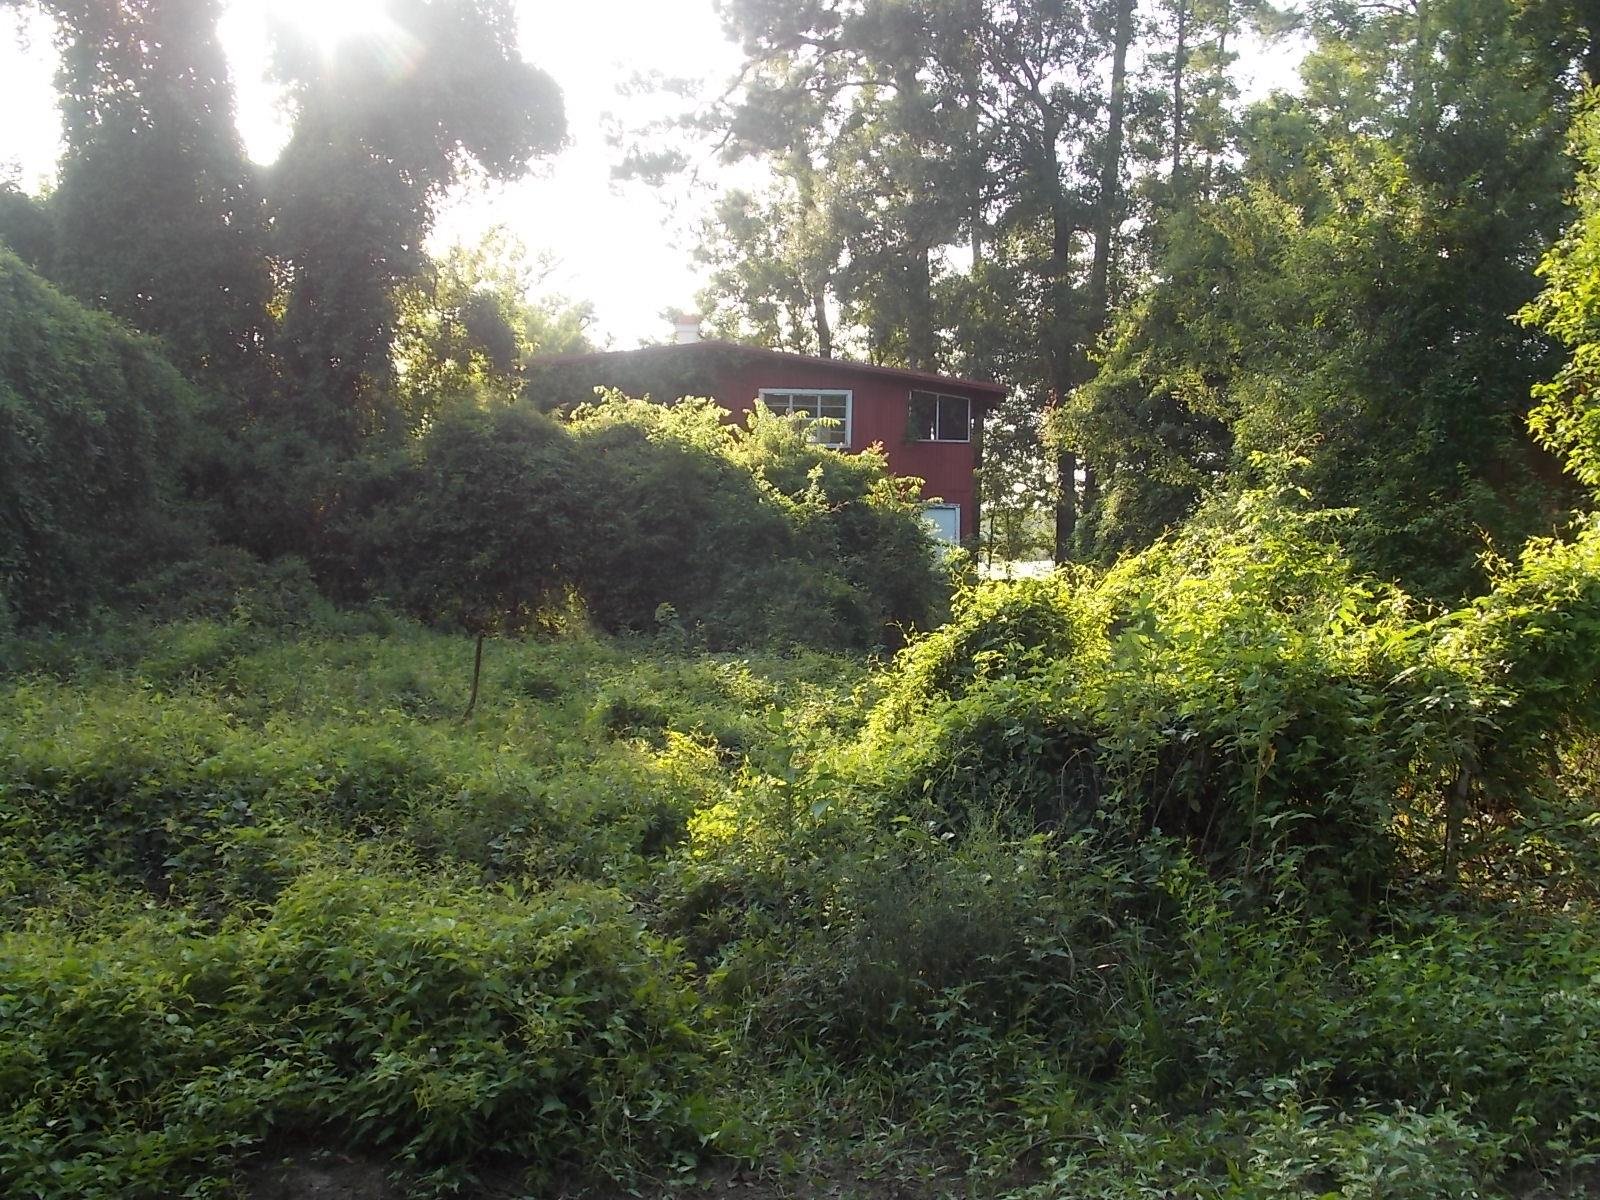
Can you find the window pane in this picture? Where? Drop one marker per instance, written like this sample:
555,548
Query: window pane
832,405
826,436
924,417
943,521
955,419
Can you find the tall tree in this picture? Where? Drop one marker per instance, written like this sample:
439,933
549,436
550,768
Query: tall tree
159,215
993,125
843,101
384,124
1346,300
776,261
467,325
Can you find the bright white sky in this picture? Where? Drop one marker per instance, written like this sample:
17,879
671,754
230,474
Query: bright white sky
624,247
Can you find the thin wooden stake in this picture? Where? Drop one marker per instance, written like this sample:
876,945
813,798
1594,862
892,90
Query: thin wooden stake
477,671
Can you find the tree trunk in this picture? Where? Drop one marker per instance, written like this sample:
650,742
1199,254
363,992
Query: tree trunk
1066,505
1107,220
1424,101
1209,170
919,325
1091,489
1589,10
1065,355
819,317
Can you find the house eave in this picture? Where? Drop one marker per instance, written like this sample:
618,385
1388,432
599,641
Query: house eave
994,391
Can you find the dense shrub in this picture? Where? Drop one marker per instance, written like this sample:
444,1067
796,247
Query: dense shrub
225,581
1234,689
1209,773
681,521
655,516
852,512
92,427
886,939
1487,1012
1525,653
1240,687
430,1020
475,524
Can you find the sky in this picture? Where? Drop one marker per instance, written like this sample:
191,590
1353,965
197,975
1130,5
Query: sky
626,248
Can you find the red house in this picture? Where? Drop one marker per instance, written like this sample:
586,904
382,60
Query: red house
929,425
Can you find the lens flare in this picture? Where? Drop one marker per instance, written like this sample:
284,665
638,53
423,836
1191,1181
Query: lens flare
332,23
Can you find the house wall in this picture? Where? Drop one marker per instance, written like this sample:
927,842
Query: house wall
880,407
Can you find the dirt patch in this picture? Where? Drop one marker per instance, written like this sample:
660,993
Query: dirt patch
735,1184
309,1174
314,1173
1581,1183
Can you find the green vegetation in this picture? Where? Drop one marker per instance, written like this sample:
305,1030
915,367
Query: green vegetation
643,515
651,515
261,881
1254,854
89,484
1112,883
1071,196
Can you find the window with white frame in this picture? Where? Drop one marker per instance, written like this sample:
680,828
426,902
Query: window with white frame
936,417
833,405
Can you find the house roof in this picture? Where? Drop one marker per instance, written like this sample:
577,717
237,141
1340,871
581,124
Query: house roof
995,390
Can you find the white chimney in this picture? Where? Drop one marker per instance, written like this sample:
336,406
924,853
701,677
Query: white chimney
686,329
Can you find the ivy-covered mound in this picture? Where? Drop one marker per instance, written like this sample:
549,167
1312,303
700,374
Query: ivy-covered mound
651,515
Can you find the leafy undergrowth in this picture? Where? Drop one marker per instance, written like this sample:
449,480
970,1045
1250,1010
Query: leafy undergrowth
1124,886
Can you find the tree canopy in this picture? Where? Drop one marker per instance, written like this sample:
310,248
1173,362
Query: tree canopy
382,127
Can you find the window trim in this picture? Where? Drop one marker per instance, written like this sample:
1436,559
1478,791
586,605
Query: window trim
911,393
849,408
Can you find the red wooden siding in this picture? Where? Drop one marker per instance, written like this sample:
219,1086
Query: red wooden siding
880,406
735,375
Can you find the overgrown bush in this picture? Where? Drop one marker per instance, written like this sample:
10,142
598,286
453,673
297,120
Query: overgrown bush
880,944
428,1019
1210,773
1241,687
475,524
1234,688
1127,878
93,423
746,537
227,582
205,830
681,524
